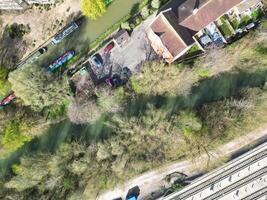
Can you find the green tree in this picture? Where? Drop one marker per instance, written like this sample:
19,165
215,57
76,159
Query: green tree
5,86
14,136
93,8
39,89
160,79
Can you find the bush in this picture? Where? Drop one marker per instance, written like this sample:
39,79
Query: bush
245,20
145,12
235,23
155,4
225,29
18,30
257,14
125,25
135,9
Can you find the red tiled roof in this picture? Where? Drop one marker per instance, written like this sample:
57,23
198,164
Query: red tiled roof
169,37
208,13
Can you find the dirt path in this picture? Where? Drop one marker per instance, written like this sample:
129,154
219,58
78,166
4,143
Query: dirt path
43,23
153,180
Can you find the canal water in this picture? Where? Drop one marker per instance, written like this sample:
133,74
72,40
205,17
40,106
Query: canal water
209,90
88,31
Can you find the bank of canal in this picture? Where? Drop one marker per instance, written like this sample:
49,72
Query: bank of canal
209,90
89,31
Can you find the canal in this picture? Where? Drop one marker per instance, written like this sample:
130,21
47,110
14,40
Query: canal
210,90
88,31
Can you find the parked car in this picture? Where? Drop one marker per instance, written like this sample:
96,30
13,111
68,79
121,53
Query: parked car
125,73
109,47
119,79
97,60
42,50
114,81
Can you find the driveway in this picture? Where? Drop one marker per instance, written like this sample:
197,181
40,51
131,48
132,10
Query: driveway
136,51
153,180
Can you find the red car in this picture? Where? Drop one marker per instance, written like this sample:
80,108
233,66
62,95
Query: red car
109,47
8,99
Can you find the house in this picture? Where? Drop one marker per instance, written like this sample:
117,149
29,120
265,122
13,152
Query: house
181,24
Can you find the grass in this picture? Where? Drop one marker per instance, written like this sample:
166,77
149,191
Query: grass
224,27
194,49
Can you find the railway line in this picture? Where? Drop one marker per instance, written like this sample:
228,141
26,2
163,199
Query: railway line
203,188
257,195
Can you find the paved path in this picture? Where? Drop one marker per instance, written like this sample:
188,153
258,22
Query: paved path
238,179
153,180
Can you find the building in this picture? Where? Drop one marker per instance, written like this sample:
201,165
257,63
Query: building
21,4
182,24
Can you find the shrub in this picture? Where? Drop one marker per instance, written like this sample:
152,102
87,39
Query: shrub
145,12
235,23
245,20
125,25
155,4
225,29
18,30
257,14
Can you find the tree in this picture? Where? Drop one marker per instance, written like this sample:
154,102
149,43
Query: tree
39,89
93,8
13,136
83,112
160,79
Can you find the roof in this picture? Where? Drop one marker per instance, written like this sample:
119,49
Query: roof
183,32
121,37
169,35
208,13
183,8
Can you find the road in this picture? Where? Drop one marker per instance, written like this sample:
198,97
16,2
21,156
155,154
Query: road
153,180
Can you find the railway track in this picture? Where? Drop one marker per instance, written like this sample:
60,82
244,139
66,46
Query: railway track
257,195
224,174
238,184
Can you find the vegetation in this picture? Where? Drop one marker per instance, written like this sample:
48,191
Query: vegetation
257,14
39,89
5,86
245,20
167,114
93,8
234,22
224,27
18,30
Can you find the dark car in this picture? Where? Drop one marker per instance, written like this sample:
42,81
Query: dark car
114,81
97,60
42,50
119,79
125,74
109,47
